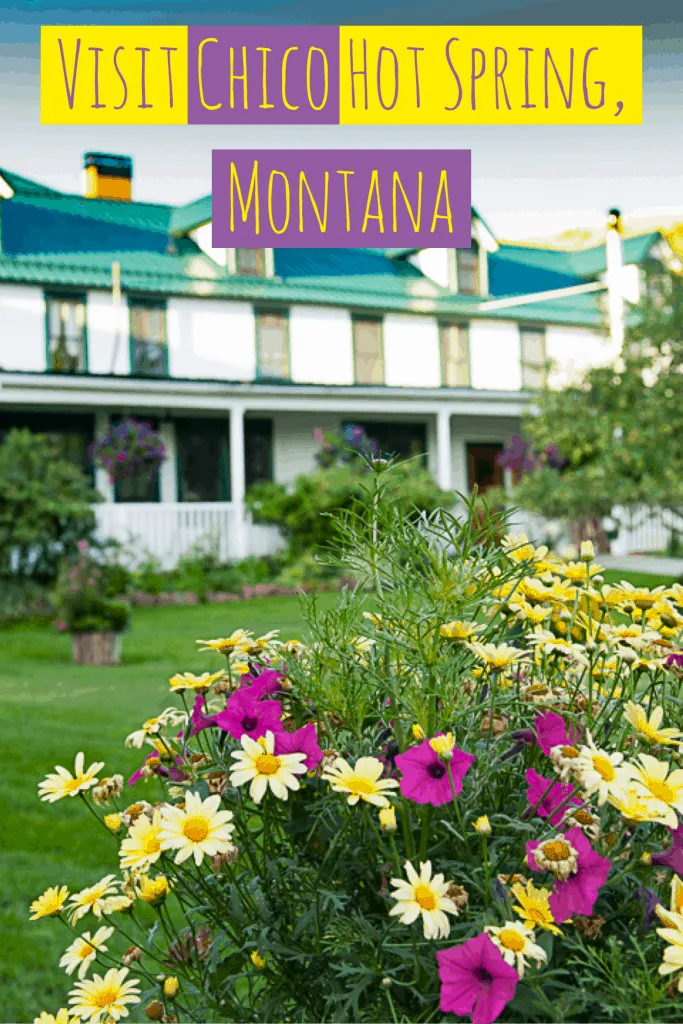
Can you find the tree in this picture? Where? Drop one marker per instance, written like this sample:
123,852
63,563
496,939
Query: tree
618,430
45,510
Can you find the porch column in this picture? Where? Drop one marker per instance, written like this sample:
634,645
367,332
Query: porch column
238,543
168,482
102,483
444,469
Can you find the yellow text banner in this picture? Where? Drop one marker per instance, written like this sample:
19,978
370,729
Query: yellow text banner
491,75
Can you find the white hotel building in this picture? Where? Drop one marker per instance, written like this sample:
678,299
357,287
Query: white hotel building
110,307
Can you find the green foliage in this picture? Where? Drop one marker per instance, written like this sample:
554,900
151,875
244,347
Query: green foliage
45,510
84,604
201,571
620,426
302,514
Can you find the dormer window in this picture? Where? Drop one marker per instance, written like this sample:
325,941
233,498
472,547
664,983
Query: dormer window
250,262
467,269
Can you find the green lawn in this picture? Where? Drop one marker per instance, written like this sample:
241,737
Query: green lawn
52,709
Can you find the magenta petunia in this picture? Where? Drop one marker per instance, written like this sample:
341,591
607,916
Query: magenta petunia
673,856
578,894
200,720
303,741
475,980
424,777
552,731
245,713
267,682
539,787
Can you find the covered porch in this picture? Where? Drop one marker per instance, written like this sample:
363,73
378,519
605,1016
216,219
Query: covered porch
221,439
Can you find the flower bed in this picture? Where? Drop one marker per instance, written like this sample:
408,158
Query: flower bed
461,796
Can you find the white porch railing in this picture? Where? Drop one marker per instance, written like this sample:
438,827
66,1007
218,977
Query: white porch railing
168,530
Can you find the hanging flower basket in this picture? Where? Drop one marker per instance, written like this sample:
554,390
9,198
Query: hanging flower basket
130,449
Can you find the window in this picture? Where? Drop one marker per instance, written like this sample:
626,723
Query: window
148,349
455,355
395,439
532,347
66,334
367,350
272,347
258,451
203,459
467,263
250,262
483,467
137,488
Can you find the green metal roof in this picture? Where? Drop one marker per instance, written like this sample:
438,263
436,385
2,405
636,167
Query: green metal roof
583,263
190,216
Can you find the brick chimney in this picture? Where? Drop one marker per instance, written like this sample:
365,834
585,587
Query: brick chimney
108,176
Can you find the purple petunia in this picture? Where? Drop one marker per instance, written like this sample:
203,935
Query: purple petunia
302,741
576,895
424,777
475,980
539,787
244,713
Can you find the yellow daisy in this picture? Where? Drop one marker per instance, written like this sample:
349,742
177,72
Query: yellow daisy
62,1017
423,896
497,657
458,630
189,681
534,908
240,639
83,950
153,890
601,772
94,899
197,829
62,783
664,785
649,728
50,904
362,782
257,764
673,935
518,548
142,847
104,998
516,942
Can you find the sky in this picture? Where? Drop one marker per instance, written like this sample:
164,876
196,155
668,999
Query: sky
528,182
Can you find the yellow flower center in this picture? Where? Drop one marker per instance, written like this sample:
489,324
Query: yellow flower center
105,997
150,723
92,898
196,829
85,950
583,817
511,940
151,844
556,850
72,785
536,914
662,790
360,786
604,767
425,897
267,764
569,752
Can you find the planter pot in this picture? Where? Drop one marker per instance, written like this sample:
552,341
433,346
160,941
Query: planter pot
96,648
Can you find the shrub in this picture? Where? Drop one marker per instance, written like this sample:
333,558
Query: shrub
302,514
443,804
45,509
83,603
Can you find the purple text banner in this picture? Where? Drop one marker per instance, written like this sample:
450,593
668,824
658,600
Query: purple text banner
341,198
276,75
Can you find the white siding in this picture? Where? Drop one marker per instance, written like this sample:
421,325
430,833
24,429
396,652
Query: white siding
321,349
573,349
22,328
411,352
294,443
434,263
494,356
108,335
211,340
